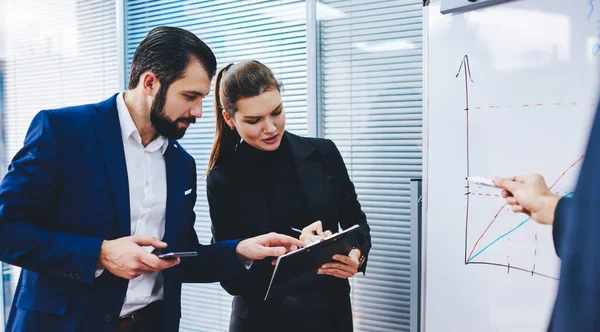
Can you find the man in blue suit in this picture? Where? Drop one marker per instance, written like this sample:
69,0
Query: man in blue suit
576,233
89,199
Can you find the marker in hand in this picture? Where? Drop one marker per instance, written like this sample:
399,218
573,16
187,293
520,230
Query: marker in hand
482,181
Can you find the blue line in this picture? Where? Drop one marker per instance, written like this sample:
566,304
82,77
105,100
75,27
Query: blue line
591,9
498,239
505,234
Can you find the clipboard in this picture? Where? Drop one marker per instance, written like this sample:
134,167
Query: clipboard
314,255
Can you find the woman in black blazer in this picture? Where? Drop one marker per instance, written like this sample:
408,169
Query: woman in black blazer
262,179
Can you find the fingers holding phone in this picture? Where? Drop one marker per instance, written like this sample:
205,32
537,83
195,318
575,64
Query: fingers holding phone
126,258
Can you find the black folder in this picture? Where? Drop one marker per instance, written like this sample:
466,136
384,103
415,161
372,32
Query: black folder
311,257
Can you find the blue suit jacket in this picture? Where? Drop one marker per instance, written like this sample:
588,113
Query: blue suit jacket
577,240
65,192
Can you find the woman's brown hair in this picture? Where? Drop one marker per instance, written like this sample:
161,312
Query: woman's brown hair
235,82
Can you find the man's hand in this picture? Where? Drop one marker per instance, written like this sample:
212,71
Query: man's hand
124,257
267,245
529,194
313,233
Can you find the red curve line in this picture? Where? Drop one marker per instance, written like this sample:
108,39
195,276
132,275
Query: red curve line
500,210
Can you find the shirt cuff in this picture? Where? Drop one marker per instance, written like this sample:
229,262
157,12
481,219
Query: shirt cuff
98,273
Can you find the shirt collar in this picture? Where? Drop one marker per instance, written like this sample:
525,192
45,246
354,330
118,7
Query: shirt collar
129,130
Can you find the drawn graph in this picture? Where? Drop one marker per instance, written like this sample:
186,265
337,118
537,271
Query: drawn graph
485,242
494,235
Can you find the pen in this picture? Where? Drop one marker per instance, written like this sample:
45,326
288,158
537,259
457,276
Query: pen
296,230
482,181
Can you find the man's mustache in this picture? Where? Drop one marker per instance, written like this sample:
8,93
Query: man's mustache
190,120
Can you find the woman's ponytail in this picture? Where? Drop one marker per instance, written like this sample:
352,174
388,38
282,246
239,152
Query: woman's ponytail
225,138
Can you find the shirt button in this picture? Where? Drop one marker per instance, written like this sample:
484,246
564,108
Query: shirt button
108,318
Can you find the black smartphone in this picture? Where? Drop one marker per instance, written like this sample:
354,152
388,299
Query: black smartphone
173,255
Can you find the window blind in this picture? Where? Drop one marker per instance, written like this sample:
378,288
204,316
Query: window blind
370,55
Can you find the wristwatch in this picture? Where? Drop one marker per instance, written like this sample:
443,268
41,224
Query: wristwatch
361,259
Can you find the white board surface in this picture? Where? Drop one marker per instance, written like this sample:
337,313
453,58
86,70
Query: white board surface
531,93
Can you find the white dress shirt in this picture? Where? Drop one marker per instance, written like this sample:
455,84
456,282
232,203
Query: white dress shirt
147,177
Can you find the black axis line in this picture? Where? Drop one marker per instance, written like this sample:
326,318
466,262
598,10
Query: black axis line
514,267
467,66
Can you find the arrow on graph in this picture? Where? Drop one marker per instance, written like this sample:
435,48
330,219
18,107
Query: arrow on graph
467,66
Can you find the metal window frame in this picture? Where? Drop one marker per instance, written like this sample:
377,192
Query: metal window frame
121,31
416,228
312,71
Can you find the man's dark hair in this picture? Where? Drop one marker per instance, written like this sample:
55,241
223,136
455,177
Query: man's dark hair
167,51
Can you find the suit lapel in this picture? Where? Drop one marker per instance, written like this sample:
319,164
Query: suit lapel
108,134
310,174
177,184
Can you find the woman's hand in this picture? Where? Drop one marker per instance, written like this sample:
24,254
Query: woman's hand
345,267
313,233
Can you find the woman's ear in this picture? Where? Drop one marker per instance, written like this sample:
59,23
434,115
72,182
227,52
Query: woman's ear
228,120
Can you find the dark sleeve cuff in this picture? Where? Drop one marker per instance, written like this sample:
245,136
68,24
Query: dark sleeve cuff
234,277
364,249
560,216
89,254
227,262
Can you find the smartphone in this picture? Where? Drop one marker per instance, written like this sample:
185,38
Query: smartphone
173,255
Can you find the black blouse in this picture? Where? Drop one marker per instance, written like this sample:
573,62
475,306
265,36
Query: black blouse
279,183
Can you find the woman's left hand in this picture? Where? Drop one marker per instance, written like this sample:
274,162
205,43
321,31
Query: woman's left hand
344,268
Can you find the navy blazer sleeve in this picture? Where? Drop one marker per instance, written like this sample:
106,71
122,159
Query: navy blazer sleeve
216,262
577,305
28,194
561,216
245,282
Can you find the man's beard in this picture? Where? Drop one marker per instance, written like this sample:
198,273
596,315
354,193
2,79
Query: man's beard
163,125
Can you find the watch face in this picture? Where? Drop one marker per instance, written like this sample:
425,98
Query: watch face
361,260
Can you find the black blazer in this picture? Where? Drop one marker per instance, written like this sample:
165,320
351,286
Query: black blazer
238,210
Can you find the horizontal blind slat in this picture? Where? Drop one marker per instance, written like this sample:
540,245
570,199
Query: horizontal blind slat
371,60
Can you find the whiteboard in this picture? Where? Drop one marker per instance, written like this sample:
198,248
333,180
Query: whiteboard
530,95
